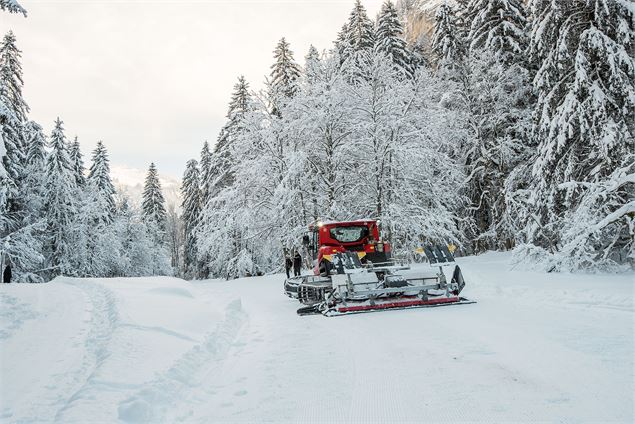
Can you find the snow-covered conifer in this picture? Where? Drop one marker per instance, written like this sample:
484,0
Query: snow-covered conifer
389,38
499,27
153,205
584,127
191,193
11,82
60,204
360,31
77,162
12,6
447,42
285,73
311,64
100,182
220,174
205,171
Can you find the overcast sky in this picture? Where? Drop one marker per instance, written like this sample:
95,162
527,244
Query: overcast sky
152,79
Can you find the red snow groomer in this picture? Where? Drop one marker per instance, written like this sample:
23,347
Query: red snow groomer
354,272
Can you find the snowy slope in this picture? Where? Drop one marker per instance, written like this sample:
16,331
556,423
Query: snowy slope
534,347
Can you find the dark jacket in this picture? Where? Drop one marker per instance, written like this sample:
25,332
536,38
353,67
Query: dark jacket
288,263
6,276
297,261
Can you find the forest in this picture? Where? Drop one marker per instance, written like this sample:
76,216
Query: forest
508,126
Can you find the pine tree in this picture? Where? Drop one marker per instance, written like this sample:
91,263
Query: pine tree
205,170
221,162
285,73
498,26
99,181
190,190
582,202
35,170
447,42
11,82
311,64
498,98
60,204
360,31
12,6
389,39
153,204
14,110
77,163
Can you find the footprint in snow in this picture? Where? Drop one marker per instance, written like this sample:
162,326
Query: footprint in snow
240,393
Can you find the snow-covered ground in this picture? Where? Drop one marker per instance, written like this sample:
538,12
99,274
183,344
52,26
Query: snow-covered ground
552,347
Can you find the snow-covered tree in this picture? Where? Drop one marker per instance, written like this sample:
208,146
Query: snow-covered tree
13,111
585,130
11,82
498,27
60,207
285,73
100,183
311,63
221,172
153,205
77,162
205,170
191,206
447,42
12,6
359,32
389,39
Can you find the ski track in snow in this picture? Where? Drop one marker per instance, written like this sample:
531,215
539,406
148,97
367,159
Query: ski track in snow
535,347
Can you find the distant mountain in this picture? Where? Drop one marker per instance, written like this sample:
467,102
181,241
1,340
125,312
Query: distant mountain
130,181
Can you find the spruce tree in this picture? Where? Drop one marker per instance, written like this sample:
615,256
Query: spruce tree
360,31
13,109
153,204
498,26
60,204
12,6
99,181
11,82
191,192
35,170
77,163
311,64
389,39
499,102
221,162
447,42
341,44
205,171
585,129
285,73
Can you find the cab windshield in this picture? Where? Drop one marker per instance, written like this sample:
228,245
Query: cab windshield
349,234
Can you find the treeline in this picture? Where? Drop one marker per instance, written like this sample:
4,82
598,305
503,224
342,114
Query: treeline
58,219
515,131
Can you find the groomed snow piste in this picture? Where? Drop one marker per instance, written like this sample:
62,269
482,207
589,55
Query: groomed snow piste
554,347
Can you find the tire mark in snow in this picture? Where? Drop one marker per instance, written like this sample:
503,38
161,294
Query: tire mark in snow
153,402
103,321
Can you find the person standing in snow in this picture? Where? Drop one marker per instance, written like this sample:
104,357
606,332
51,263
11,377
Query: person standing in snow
288,263
6,275
297,264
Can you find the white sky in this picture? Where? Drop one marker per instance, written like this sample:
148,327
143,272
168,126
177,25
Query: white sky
152,79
